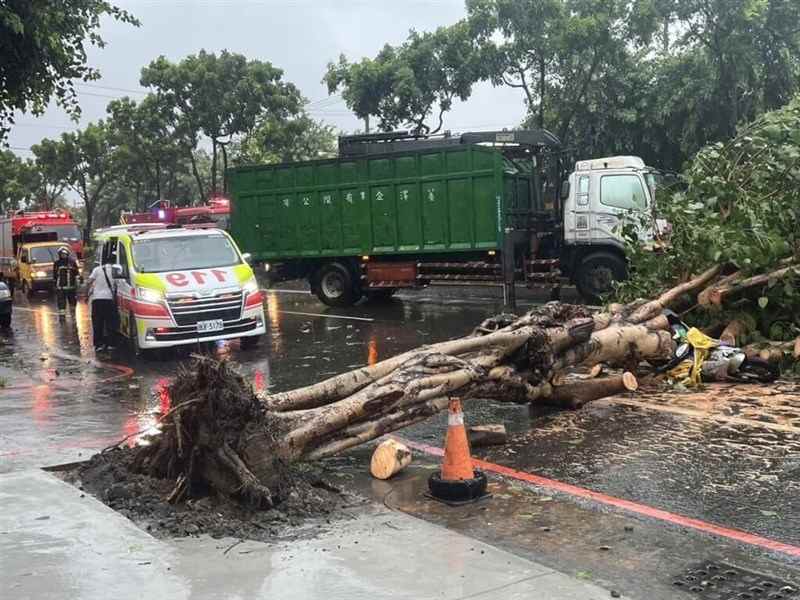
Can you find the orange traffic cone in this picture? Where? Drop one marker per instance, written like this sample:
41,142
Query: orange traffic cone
457,482
457,462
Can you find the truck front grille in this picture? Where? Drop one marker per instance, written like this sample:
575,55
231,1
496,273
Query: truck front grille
189,310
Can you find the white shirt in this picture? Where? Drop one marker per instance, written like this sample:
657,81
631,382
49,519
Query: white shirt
100,289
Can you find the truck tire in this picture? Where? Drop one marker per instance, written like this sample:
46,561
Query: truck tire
597,273
5,321
333,285
380,295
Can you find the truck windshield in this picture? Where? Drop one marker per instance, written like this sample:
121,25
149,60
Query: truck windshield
183,253
66,233
44,254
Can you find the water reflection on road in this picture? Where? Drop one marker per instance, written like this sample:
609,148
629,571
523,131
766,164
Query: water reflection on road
56,388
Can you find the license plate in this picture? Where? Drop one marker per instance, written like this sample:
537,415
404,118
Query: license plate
212,325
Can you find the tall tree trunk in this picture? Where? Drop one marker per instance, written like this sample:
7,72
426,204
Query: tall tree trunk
578,98
213,166
158,180
197,178
224,168
541,91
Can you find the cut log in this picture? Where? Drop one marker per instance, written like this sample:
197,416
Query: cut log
389,458
772,352
487,435
733,332
704,297
595,371
575,395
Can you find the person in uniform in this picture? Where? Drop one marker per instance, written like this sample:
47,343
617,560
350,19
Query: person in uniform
65,279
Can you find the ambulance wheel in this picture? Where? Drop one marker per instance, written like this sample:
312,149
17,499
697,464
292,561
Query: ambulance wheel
133,338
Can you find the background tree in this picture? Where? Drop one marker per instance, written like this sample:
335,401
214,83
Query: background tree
85,161
220,97
15,180
43,50
150,153
274,141
405,85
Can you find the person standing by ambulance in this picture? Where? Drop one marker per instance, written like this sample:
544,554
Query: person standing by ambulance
102,296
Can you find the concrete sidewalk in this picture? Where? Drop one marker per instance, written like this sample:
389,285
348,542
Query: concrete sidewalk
56,543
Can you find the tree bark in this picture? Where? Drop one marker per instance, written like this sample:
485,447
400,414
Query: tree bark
575,395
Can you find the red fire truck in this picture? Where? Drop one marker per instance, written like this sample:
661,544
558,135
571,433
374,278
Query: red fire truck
21,231
53,225
217,211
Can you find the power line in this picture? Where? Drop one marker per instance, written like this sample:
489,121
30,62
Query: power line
109,87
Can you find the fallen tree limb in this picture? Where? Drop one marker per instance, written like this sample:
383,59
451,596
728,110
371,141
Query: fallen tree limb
724,292
227,438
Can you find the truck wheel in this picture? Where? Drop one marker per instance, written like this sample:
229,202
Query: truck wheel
597,273
5,321
381,295
333,285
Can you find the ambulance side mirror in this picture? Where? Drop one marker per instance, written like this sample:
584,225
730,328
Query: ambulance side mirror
118,272
247,257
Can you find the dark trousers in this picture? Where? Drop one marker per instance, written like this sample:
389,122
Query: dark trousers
64,296
103,312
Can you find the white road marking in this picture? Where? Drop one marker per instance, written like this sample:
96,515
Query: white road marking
305,314
286,291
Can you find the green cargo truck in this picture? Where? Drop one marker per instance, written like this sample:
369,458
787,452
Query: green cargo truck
397,210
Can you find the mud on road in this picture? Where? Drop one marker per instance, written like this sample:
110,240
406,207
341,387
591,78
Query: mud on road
311,503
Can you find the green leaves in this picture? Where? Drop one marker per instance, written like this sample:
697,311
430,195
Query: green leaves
407,84
42,45
739,207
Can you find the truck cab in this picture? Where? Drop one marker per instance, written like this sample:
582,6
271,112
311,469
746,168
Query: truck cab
178,286
600,197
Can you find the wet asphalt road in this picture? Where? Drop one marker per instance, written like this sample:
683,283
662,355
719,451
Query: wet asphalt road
732,460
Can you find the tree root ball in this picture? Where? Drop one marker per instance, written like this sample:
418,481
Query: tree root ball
206,435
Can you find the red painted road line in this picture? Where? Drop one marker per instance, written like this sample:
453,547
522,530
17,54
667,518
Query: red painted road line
634,507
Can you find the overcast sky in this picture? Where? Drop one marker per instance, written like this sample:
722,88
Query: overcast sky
299,36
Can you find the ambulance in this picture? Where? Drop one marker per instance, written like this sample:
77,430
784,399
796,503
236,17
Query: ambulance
181,285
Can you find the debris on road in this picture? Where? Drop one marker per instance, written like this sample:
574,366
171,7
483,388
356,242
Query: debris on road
487,435
390,457
222,439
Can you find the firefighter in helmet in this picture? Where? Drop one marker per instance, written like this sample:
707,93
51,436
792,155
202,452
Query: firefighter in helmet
65,278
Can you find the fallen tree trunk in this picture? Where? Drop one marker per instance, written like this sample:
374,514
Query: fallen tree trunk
221,435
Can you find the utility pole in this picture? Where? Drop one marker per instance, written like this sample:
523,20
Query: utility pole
366,124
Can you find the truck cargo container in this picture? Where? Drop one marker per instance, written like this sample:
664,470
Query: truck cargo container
398,210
